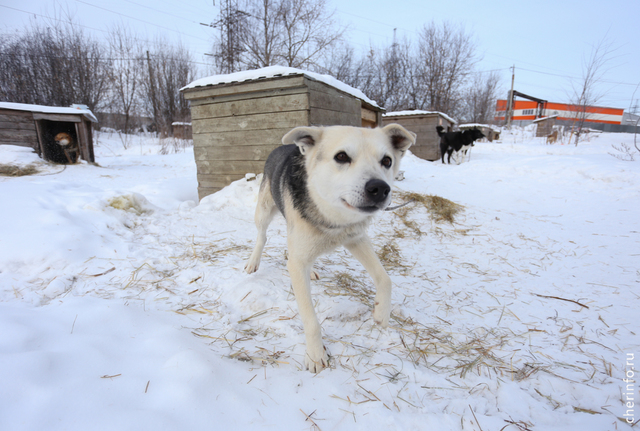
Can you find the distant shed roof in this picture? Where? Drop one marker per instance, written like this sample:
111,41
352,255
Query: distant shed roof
478,125
74,109
417,112
537,120
278,71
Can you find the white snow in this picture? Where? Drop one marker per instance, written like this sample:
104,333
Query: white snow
416,112
73,109
276,71
124,305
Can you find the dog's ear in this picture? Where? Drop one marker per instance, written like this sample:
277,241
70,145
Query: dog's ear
304,137
401,138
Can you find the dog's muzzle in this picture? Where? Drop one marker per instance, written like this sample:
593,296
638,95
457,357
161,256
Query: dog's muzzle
376,195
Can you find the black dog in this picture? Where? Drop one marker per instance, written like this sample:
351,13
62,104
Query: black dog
457,141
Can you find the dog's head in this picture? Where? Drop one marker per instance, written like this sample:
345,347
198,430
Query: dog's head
63,139
350,170
476,134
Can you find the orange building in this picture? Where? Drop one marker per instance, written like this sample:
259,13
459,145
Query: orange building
525,110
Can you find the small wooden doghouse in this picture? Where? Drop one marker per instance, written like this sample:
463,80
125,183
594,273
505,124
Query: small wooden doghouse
490,133
238,119
544,125
182,130
422,123
36,126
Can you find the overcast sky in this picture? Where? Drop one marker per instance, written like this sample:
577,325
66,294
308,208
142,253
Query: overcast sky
546,40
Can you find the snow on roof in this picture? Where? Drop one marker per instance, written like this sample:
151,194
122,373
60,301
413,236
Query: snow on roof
544,118
278,71
73,109
478,125
417,112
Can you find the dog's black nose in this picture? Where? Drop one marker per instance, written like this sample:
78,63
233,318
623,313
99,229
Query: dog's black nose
377,190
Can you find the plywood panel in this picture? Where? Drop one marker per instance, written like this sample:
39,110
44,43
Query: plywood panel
228,167
322,117
57,117
17,125
293,102
241,138
244,87
246,153
31,142
334,102
251,122
224,98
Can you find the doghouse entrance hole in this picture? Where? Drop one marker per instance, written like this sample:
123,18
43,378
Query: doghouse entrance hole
49,129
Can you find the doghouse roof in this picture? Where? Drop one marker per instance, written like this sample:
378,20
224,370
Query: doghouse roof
478,126
537,120
417,112
74,109
276,72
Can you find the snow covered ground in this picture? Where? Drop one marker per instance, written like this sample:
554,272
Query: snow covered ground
123,303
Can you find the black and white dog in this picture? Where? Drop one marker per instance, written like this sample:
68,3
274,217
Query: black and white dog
460,142
328,182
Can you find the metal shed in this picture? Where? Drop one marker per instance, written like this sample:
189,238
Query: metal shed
238,119
35,126
424,124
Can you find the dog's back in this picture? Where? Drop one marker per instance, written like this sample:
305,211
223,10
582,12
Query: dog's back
284,170
456,141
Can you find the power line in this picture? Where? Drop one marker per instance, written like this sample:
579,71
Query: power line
93,28
140,20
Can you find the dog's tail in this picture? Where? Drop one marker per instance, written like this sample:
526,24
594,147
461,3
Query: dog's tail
440,130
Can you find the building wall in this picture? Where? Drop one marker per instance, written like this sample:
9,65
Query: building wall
525,110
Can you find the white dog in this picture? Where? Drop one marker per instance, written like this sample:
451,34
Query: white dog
328,182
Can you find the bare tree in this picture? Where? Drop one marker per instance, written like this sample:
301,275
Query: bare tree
169,69
126,73
480,98
446,57
587,92
55,65
260,33
309,28
263,37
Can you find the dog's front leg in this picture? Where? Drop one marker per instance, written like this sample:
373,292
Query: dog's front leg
363,251
316,357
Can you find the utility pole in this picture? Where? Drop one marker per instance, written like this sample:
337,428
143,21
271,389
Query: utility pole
509,112
227,54
153,94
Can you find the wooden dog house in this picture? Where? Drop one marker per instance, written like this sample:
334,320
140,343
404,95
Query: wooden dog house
238,119
490,133
36,126
424,124
545,125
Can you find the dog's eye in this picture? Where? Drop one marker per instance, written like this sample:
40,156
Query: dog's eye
342,157
386,162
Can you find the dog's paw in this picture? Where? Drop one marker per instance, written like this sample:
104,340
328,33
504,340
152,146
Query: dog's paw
251,267
381,314
316,359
